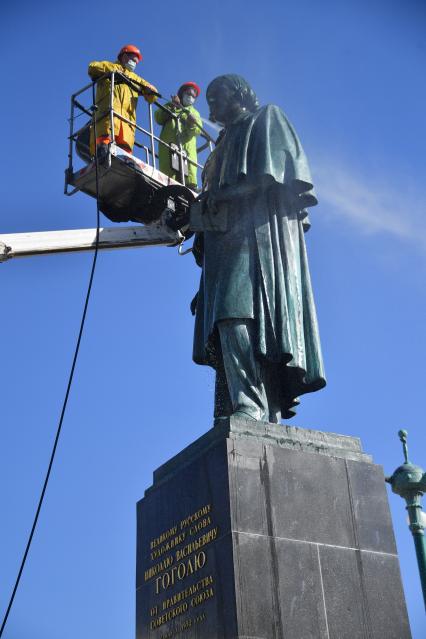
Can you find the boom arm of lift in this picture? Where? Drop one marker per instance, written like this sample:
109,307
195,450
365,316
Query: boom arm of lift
70,241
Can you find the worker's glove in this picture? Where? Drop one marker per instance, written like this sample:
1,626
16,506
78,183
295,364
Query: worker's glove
191,120
176,100
149,93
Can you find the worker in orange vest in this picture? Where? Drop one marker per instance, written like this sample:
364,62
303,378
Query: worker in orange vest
125,99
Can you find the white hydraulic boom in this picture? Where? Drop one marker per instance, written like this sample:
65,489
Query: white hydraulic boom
45,243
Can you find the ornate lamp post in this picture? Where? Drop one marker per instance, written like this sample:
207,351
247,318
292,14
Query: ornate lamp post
409,481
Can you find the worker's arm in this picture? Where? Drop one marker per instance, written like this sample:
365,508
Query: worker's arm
147,90
161,116
191,124
96,69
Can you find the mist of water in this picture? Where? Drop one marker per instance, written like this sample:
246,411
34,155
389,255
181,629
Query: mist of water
213,125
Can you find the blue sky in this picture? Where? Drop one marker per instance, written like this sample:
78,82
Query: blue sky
349,75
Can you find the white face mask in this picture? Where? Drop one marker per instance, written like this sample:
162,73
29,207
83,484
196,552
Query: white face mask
131,64
187,99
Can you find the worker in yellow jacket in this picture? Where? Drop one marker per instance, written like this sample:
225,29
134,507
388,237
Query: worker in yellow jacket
125,98
183,130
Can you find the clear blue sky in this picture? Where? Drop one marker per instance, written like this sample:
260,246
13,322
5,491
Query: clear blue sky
350,76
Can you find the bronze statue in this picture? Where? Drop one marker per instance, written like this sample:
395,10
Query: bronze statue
255,315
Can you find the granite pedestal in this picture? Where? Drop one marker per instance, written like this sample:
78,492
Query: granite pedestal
262,531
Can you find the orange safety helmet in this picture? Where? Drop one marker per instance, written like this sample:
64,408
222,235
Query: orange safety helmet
193,85
130,48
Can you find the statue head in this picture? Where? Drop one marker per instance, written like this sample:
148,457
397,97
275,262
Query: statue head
228,96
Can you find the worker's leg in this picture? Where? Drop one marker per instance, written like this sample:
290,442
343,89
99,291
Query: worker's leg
191,178
102,142
125,147
120,141
193,187
103,139
244,378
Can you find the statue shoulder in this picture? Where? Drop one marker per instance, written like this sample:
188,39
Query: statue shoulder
273,122
270,111
271,108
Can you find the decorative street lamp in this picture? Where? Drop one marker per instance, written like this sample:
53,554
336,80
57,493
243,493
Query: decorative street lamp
409,481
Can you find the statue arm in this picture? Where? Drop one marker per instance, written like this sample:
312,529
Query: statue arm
246,188
242,189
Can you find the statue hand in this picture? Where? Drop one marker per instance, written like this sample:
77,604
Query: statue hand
211,202
198,249
193,305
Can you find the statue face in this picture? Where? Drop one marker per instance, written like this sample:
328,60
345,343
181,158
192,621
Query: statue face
222,103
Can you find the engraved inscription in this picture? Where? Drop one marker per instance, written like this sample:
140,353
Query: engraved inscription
178,554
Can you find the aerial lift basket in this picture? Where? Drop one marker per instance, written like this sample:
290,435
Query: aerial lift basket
129,188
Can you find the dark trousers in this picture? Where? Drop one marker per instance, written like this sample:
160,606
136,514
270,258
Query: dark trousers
245,385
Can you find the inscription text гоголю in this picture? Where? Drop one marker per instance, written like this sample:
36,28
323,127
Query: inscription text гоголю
181,551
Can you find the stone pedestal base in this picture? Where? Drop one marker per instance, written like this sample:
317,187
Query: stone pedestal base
262,531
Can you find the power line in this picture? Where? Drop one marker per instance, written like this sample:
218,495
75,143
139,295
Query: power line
70,380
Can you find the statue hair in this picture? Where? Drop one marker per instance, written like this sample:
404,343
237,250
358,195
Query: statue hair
243,91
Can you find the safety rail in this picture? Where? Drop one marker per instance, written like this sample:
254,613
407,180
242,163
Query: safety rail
151,154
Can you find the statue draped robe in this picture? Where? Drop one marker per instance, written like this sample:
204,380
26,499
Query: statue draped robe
256,267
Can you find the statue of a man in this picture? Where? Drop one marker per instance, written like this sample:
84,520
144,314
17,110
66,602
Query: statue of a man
255,315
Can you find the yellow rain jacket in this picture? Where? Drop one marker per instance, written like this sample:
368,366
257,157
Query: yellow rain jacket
125,100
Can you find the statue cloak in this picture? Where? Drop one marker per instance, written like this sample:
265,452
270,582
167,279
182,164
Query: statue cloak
257,268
